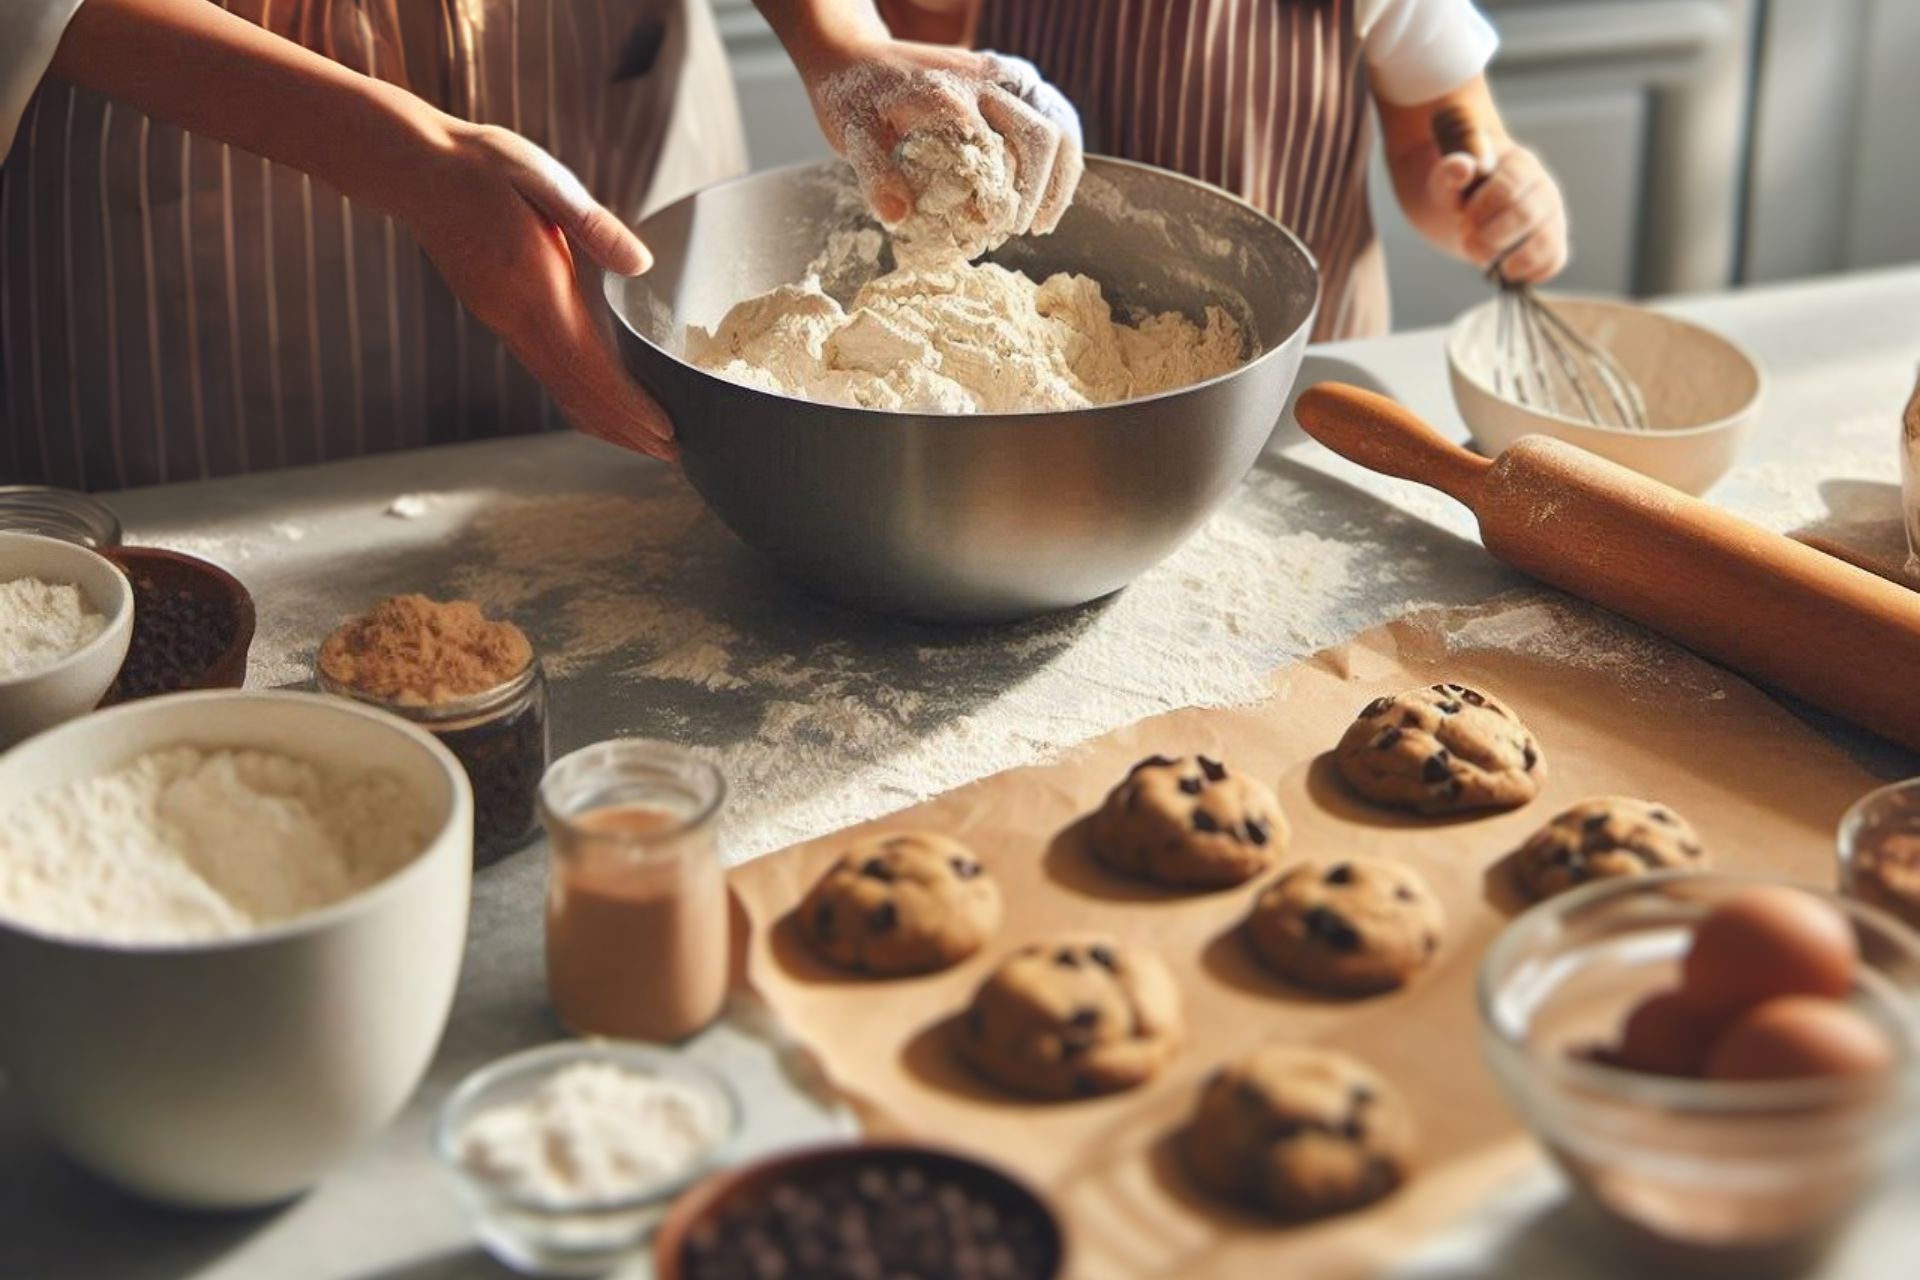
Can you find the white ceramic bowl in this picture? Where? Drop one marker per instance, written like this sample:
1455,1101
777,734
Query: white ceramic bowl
75,684
1702,391
235,1073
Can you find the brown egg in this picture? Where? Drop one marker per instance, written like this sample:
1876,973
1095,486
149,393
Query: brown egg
1771,940
1799,1037
1664,1036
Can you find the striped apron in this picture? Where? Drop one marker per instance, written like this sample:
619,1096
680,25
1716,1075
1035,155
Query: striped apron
173,309
1266,98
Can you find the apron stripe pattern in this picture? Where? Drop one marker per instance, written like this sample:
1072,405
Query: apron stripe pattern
172,309
1266,98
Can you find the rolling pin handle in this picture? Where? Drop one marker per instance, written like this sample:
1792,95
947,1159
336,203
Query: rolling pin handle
1383,435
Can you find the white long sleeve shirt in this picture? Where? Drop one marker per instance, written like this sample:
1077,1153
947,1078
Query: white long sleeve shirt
29,32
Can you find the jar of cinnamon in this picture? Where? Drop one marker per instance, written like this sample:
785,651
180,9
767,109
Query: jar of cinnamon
473,682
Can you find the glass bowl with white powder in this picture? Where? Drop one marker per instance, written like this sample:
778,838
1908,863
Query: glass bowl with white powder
566,1157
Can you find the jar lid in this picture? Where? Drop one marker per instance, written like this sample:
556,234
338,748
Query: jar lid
66,514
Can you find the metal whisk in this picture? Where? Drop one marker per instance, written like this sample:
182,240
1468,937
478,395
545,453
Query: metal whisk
1540,360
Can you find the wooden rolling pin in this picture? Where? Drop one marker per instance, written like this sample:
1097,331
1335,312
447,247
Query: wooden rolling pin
1763,604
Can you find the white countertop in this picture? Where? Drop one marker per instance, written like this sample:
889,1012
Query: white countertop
655,622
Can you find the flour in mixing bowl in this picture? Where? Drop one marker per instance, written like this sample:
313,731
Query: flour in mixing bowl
969,338
183,845
944,334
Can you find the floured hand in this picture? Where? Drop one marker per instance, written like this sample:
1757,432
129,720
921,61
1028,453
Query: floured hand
915,119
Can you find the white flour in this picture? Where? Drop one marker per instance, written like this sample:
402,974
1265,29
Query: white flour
184,845
965,338
592,1133
41,623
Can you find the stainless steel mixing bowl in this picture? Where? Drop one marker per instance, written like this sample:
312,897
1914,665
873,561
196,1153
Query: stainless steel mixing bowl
978,517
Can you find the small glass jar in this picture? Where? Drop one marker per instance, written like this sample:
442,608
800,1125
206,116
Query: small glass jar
499,736
1879,846
66,514
637,916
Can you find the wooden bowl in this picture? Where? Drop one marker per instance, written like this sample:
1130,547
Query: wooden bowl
720,1193
151,568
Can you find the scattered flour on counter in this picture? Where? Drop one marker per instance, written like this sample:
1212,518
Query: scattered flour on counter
592,1133
42,623
186,845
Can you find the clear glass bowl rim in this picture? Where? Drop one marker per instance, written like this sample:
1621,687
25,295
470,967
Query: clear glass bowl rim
1701,1097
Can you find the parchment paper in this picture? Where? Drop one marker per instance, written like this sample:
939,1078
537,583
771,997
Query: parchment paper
1616,711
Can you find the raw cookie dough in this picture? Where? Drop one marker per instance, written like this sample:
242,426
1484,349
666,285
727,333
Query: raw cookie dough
1188,822
1077,1016
1602,839
1354,927
1442,749
900,903
1299,1132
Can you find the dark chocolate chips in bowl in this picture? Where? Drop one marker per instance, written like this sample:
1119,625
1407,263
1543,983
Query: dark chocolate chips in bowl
875,1216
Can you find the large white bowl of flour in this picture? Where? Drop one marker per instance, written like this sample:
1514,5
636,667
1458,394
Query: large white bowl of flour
231,925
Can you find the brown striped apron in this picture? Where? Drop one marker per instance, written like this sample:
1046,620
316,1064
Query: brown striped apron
1266,98
172,309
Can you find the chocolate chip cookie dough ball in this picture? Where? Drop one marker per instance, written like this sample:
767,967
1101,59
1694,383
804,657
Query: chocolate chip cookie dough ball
1079,1016
900,903
1352,927
1189,823
1602,839
1442,749
1299,1132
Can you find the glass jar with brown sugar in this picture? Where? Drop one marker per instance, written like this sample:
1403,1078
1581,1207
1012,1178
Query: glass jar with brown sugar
473,682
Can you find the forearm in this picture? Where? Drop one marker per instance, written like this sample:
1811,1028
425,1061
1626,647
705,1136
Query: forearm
818,32
1410,150
195,65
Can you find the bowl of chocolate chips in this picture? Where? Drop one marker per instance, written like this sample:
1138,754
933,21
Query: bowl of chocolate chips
865,1210
192,625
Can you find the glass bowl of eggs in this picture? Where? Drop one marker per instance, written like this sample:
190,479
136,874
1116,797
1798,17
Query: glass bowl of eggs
1724,1065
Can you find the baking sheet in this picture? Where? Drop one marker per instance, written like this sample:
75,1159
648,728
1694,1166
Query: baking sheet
1616,711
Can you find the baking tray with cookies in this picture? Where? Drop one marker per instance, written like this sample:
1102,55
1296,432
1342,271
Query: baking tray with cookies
1286,986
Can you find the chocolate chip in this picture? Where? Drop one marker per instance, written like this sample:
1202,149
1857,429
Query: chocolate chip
1529,757
1340,873
1151,762
1387,739
1258,831
1252,1094
1192,786
1692,848
1215,771
1403,893
1469,696
1330,929
1435,768
1103,956
1204,821
1660,815
1378,707
1085,1016
1448,708
965,868
883,918
823,920
877,869
1354,1129
1594,821
1066,959
1360,1095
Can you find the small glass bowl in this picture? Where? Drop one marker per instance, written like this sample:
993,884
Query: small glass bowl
1891,811
66,514
539,1237
1711,1176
